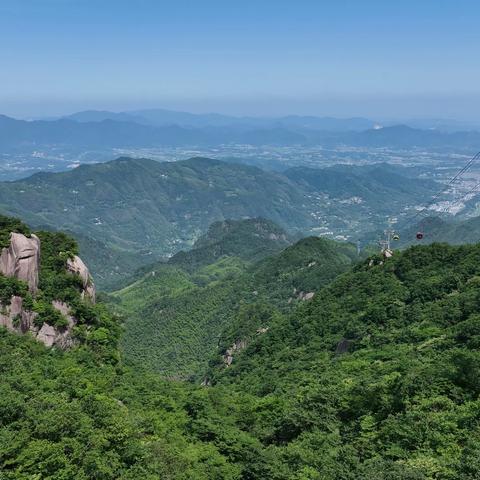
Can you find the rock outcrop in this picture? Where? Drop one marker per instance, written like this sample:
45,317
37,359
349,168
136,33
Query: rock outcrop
302,295
52,336
77,266
22,259
18,319
15,317
237,346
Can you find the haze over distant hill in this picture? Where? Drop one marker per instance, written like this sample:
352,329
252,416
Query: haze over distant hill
101,130
162,117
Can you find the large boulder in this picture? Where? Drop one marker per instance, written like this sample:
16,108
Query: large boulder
76,265
21,259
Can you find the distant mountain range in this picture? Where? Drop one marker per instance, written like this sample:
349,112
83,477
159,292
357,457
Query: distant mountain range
129,212
99,130
162,117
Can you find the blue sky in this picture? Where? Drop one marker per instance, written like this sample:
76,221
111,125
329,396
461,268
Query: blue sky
385,58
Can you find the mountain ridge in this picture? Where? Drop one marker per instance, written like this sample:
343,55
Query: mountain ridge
140,208
109,133
151,208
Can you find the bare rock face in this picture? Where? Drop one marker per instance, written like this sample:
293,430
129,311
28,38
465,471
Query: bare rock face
238,346
47,335
63,338
9,315
77,266
19,320
22,259
305,295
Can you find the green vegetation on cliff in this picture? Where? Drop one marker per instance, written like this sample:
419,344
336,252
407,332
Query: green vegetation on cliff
94,324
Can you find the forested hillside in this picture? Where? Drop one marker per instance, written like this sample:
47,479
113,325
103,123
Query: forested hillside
437,229
250,240
176,312
129,213
374,184
146,209
376,376
77,413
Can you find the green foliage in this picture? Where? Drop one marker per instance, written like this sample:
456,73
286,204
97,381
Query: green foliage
401,399
49,315
171,324
376,377
9,225
130,212
9,287
63,415
179,314
251,240
304,267
55,282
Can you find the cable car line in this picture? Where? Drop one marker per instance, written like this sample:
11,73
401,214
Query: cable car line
464,169
394,235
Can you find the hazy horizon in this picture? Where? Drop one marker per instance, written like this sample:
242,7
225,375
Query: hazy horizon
282,107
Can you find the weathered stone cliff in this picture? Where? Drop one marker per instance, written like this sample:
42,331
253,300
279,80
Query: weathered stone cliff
76,265
18,319
21,260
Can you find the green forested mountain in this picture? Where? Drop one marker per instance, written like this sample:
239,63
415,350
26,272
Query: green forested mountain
377,376
250,240
437,229
382,184
149,208
176,312
130,212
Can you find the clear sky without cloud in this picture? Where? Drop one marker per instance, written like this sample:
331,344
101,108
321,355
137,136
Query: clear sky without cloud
336,57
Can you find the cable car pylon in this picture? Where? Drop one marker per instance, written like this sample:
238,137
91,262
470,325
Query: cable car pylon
386,243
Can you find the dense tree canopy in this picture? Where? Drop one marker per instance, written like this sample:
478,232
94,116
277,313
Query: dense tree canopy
376,377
